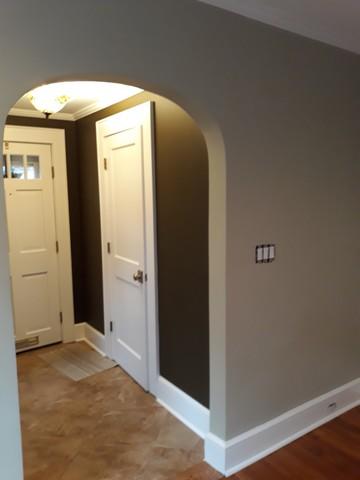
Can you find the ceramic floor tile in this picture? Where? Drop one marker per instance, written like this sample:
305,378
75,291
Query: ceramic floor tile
48,455
104,427
175,434
201,471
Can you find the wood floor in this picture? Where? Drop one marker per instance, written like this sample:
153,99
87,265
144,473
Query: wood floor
332,452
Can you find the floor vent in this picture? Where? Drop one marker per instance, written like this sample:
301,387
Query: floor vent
26,343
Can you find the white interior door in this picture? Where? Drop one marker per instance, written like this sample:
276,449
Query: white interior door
123,148
32,243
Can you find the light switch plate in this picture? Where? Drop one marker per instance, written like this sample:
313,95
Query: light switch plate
265,253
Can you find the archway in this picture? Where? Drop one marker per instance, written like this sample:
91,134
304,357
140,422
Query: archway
216,262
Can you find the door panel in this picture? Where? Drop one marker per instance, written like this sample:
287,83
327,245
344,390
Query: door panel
126,208
122,144
32,243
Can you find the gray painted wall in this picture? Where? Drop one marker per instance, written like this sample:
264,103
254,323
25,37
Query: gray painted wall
286,111
293,327
10,447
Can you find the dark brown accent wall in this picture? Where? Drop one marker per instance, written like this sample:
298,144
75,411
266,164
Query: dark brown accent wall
182,235
74,203
182,239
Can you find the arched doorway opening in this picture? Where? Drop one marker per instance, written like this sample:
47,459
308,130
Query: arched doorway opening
215,300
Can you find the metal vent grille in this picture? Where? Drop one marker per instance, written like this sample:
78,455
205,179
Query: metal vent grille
26,343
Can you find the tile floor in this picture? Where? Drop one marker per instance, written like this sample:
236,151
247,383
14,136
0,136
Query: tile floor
104,427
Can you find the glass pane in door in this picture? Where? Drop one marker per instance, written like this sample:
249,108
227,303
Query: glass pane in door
4,167
33,167
17,167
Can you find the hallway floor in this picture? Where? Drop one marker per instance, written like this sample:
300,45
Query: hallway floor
104,427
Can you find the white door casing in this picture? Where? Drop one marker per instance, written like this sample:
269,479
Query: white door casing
53,140
125,160
32,244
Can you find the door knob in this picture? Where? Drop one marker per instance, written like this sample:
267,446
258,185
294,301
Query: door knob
139,276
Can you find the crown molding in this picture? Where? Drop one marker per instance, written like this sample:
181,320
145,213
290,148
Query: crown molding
23,112
72,117
92,108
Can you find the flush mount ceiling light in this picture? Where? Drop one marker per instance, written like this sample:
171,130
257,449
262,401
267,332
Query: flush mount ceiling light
72,99
49,99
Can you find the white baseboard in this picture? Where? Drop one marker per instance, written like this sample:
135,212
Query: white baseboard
186,409
79,331
178,403
233,455
86,333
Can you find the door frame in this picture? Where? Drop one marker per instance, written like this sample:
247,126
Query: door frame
107,126
55,137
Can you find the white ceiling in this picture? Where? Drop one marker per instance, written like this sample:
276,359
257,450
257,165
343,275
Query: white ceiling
336,22
86,98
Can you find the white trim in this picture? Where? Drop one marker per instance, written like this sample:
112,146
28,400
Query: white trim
103,230
89,109
100,105
23,112
190,412
56,139
79,331
86,333
178,403
105,127
151,248
182,406
233,455
95,339
81,113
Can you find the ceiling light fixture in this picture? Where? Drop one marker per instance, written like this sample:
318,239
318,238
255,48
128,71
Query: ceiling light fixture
48,99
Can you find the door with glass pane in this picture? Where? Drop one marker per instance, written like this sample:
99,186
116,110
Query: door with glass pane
32,243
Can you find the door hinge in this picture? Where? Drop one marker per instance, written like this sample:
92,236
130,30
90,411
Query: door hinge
108,247
111,326
61,318
105,164
52,172
57,246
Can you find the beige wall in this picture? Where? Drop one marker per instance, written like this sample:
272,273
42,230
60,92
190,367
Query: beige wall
294,325
288,110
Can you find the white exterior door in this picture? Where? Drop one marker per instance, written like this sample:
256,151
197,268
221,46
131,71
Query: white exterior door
32,243
124,147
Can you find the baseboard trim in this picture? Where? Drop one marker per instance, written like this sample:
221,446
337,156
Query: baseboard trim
88,334
79,329
182,406
233,455
178,403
